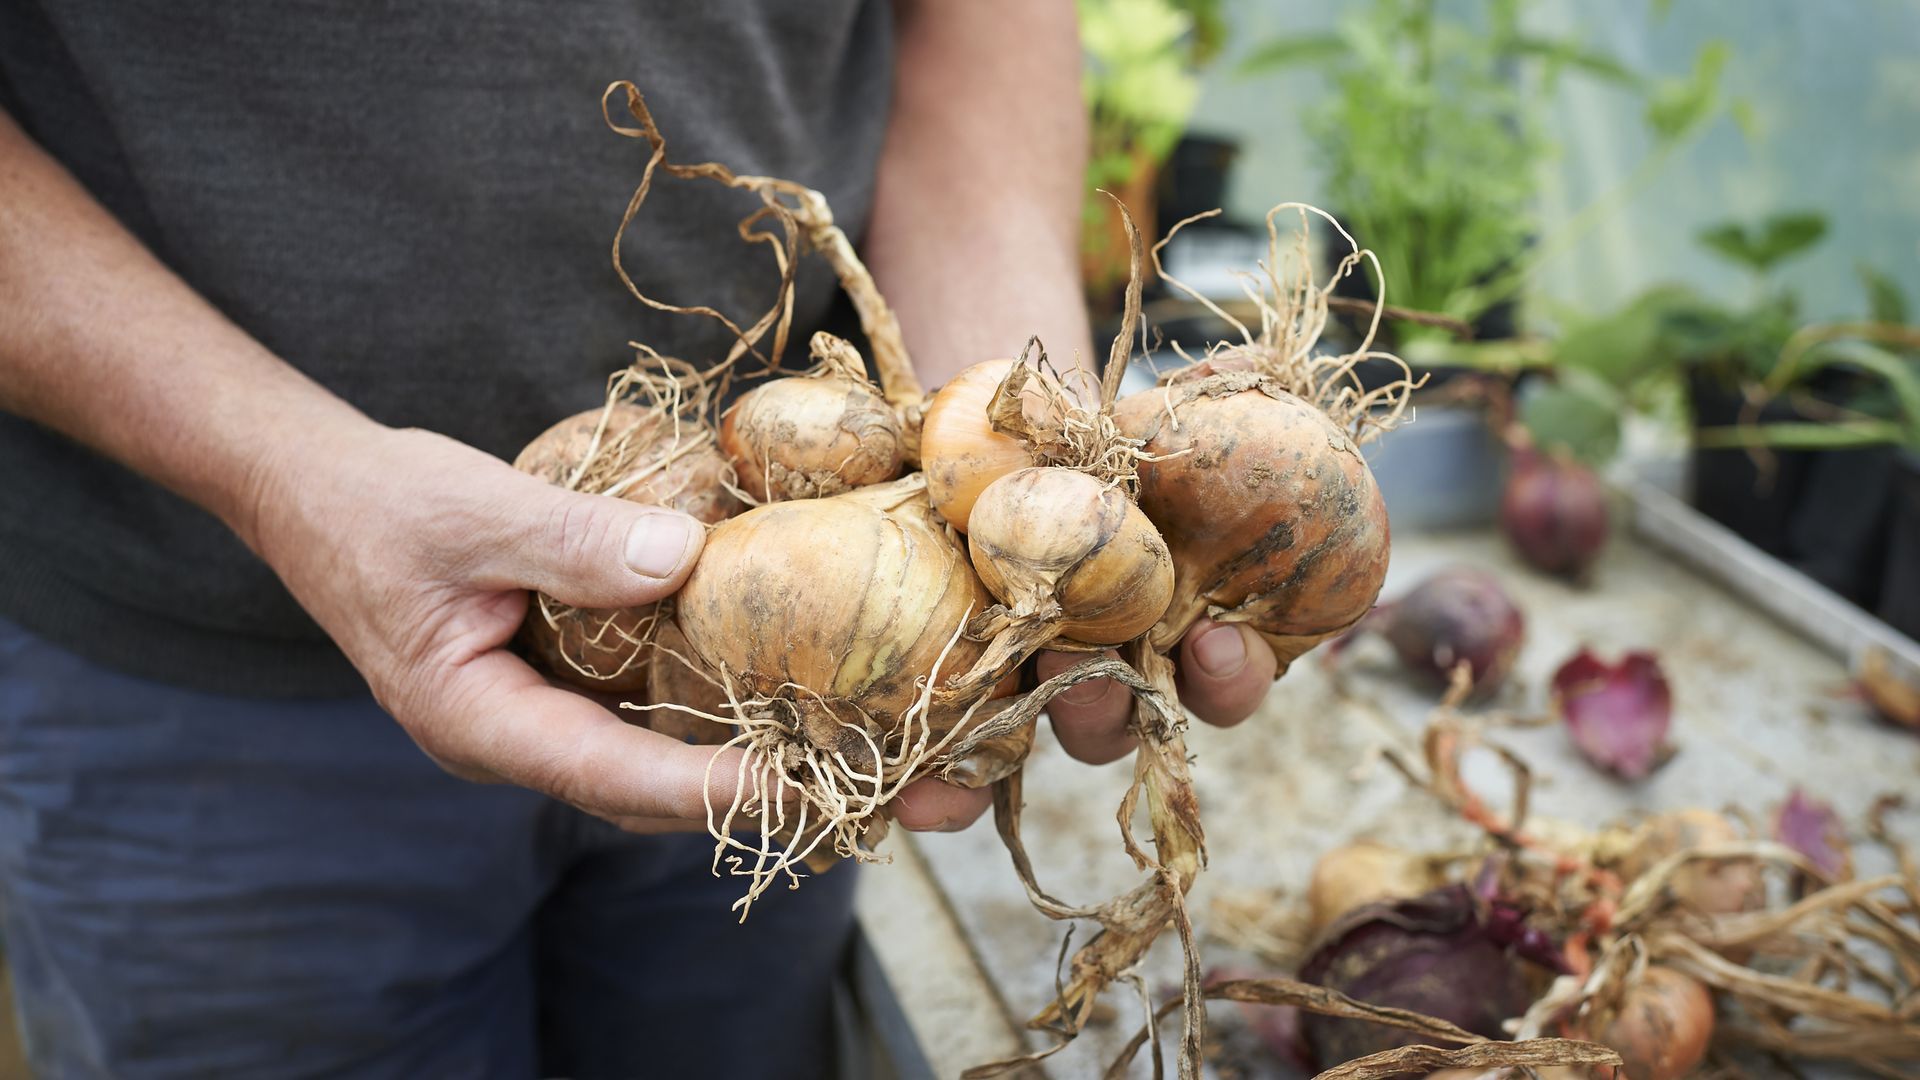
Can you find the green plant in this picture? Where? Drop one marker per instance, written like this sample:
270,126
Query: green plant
1639,355
1431,139
1140,84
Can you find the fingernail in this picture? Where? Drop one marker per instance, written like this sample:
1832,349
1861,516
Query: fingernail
1088,692
658,544
1220,652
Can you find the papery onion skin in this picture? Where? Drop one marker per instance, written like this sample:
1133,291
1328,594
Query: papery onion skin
1363,872
1042,534
600,648
1618,714
1662,1026
847,599
960,453
811,436
676,676
1271,513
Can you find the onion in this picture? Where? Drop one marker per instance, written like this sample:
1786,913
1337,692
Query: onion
1618,714
1360,873
1066,556
1271,515
1717,887
834,610
1435,954
1554,512
641,455
813,435
960,451
1661,1027
1460,615
675,676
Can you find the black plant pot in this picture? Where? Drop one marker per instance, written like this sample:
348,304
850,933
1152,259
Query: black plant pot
1728,484
1194,179
1823,512
1899,604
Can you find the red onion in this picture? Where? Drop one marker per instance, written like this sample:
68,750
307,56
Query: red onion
1811,828
1554,512
1459,614
1277,1027
1446,954
1618,714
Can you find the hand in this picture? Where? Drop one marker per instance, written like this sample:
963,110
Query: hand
415,553
1224,672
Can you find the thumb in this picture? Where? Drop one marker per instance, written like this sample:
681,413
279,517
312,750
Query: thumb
595,551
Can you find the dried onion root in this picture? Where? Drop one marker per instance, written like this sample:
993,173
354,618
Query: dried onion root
649,443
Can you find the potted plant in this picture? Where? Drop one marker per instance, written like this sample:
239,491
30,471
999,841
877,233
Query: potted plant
1798,429
1140,85
1431,144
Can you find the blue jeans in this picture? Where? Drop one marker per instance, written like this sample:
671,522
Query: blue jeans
200,886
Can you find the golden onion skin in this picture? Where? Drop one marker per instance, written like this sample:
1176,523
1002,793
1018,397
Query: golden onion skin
808,437
1361,873
1051,534
849,600
1662,1026
1719,887
959,450
1271,513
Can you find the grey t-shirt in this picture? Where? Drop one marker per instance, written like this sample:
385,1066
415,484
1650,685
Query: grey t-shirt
413,203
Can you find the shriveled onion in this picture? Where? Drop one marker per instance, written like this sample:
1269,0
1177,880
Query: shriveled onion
814,435
1271,514
652,461
1067,556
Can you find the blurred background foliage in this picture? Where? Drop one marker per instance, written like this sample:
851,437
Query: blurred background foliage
1821,109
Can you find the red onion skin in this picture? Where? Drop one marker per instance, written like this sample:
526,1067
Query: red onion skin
1554,512
1459,614
1618,714
1811,828
1435,953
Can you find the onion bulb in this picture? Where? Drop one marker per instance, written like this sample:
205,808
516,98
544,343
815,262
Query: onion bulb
833,612
639,455
1360,873
1066,556
814,435
1661,1026
1710,887
960,451
1460,615
1271,514
1434,954
1554,512
676,677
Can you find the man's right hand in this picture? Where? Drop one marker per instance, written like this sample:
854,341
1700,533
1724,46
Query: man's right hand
415,553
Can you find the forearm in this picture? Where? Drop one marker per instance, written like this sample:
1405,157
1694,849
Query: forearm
104,344
975,223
